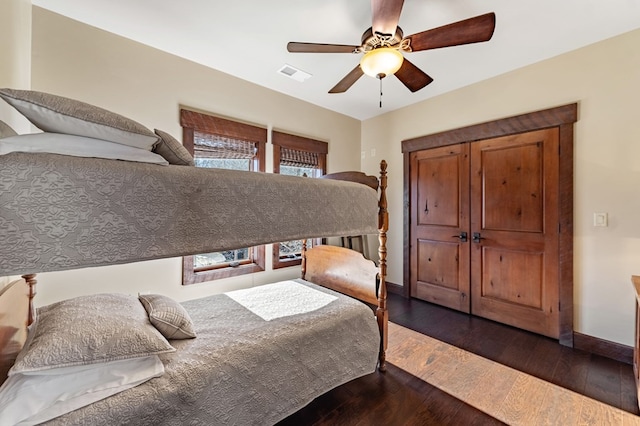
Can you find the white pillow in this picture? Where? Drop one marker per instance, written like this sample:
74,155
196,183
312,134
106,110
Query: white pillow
77,146
35,398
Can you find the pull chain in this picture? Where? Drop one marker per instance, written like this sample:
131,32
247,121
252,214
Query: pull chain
380,92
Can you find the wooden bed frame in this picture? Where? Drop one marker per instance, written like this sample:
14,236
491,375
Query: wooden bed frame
337,268
347,271
14,305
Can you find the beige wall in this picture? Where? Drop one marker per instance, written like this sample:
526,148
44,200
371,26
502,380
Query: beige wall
81,62
15,46
15,66
604,79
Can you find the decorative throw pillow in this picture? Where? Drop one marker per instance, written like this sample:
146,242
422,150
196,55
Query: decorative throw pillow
172,150
89,330
56,114
6,131
168,316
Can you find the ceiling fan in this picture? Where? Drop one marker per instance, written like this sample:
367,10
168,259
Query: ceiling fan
384,42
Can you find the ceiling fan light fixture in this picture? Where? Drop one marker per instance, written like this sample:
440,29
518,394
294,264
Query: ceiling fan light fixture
381,62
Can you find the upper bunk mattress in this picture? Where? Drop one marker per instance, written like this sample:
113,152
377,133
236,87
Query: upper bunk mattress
61,212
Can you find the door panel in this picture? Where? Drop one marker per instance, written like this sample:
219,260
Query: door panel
514,209
440,213
439,263
499,274
512,186
438,194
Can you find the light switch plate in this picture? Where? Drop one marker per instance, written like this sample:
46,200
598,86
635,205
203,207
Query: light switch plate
600,219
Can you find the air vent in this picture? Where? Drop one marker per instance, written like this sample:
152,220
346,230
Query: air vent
294,73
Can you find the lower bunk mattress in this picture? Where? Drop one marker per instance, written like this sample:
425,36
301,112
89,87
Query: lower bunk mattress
260,355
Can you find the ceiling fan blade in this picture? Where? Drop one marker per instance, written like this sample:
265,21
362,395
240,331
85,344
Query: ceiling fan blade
412,77
472,30
386,14
348,80
295,47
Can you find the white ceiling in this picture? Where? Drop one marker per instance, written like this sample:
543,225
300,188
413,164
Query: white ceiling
248,39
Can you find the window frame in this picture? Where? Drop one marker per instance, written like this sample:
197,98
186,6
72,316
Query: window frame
281,140
192,121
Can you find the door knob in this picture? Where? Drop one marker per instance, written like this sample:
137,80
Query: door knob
477,237
462,237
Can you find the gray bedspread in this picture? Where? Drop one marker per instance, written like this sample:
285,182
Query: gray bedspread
244,370
60,212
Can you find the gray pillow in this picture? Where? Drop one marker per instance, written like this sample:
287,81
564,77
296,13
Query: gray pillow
89,330
168,316
172,150
6,131
56,114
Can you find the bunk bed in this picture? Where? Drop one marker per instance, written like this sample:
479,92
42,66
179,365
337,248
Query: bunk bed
258,354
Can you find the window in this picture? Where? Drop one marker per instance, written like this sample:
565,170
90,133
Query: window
220,143
297,156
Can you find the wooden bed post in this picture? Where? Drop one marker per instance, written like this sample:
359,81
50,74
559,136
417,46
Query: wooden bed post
303,264
353,274
382,314
31,282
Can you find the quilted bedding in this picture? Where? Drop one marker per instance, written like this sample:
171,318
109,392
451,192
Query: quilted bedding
60,212
252,363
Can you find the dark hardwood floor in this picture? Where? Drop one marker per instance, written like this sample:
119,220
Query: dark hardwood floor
398,398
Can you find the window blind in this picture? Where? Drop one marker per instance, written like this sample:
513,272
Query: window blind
296,158
213,146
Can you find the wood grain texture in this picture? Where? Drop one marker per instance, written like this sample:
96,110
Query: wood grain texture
552,117
370,181
219,126
565,212
385,15
348,80
439,257
561,118
613,350
506,394
14,311
472,30
342,270
412,77
399,397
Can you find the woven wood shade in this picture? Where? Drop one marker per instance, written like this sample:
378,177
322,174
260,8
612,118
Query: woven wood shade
212,146
299,143
222,127
298,151
295,158
207,136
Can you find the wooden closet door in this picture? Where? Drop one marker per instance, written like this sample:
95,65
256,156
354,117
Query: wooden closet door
439,217
514,212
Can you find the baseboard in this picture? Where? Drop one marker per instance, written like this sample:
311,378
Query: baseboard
594,345
395,289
